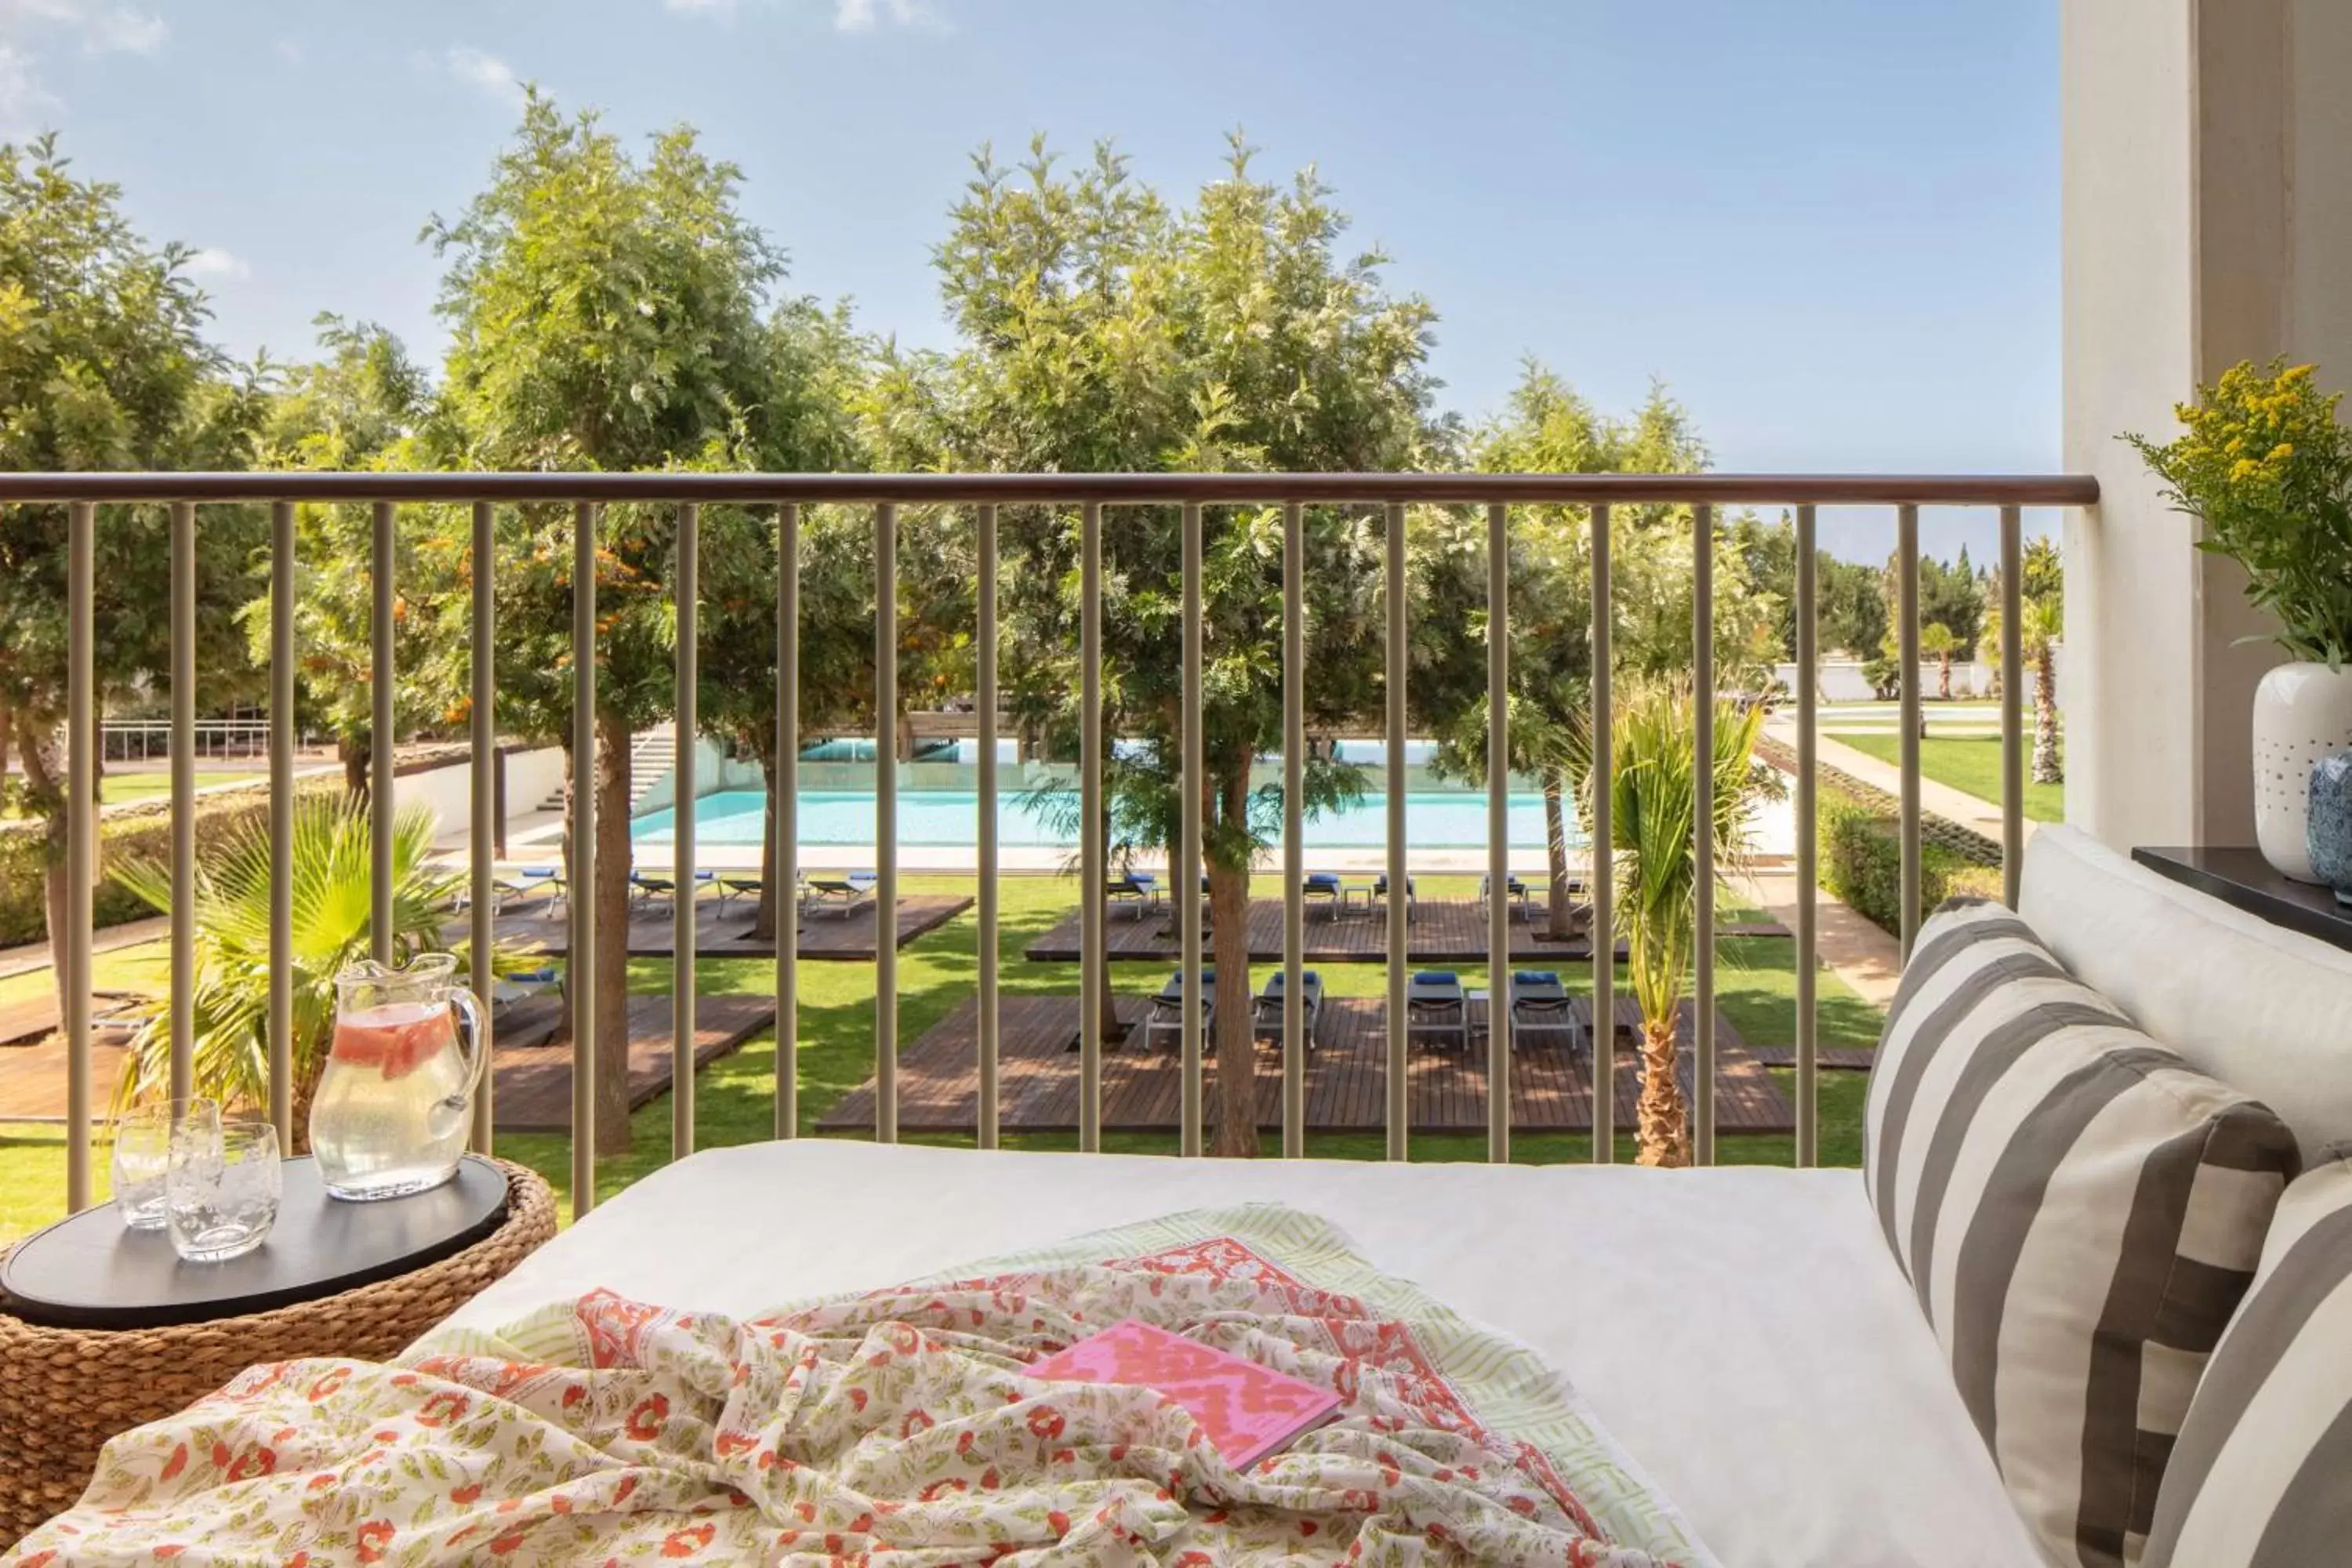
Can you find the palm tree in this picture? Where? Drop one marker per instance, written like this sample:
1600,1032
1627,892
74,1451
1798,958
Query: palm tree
1937,641
332,877
1653,813
2038,628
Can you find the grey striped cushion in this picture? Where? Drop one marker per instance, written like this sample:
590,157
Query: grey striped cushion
2262,1475
2078,1211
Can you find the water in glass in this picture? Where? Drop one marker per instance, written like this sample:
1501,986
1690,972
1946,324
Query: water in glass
142,1156
391,1111
221,1195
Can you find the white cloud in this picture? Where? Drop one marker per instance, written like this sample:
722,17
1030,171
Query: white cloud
290,51
212,262
864,16
98,26
24,101
486,72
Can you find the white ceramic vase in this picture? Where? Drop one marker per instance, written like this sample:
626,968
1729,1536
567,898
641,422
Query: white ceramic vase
2302,713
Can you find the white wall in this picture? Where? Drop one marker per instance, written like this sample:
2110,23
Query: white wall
448,792
2208,219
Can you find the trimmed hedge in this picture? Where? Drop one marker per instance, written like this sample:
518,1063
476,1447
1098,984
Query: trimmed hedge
1859,831
140,830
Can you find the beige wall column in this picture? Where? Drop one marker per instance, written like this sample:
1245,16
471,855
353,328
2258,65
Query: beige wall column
2208,219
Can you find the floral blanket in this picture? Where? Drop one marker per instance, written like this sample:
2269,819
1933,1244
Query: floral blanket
895,1427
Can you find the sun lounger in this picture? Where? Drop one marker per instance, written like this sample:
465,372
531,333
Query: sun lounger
1137,889
1539,1006
843,894
733,888
1435,1004
1268,1006
1168,1008
1326,886
1379,895
1520,893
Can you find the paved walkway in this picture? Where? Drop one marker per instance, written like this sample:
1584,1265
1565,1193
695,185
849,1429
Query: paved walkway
1868,960
1941,799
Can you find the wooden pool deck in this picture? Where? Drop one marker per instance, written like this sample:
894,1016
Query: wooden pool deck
823,935
532,1079
1346,1076
1444,931
532,1090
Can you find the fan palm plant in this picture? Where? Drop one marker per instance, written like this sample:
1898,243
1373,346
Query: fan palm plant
2039,626
332,877
1654,812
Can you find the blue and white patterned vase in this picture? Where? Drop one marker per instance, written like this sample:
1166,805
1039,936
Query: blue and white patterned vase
2330,831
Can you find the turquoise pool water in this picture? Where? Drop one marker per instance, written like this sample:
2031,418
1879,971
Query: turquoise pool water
1433,820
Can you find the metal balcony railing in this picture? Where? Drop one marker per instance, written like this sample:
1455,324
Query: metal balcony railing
982,494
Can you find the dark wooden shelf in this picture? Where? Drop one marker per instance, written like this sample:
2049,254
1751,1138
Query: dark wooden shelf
2241,877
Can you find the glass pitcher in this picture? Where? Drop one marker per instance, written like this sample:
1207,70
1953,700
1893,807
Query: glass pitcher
391,1111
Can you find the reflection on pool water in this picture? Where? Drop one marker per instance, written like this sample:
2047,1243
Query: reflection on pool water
1450,819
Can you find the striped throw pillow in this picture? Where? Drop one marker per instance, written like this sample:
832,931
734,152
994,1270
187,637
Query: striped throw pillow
2262,1475
2077,1210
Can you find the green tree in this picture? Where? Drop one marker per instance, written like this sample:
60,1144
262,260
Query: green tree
2042,625
1653,817
1852,607
359,406
1548,429
1937,641
605,313
103,365
1106,331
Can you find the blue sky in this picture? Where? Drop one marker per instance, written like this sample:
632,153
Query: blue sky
1832,226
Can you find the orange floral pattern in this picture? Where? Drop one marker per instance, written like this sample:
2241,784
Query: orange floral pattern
896,1422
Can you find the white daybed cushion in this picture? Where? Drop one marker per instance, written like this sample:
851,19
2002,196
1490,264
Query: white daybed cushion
2267,1010
1742,1332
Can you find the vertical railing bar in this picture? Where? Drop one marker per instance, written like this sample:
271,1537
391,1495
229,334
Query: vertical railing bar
1399,902
1703,829
1808,900
1906,569
985,834
1604,1035
81,837
580,966
886,823
281,826
2013,704
1187,877
1092,850
183,1003
481,952
685,594
381,731
786,895
1499,834
1294,850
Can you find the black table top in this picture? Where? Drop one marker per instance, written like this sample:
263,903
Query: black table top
91,1271
2241,877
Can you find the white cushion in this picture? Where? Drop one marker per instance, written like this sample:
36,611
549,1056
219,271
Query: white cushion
2265,1010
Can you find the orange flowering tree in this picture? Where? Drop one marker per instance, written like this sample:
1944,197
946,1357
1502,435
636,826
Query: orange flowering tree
605,312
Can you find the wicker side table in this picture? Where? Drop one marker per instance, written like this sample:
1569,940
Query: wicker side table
64,1392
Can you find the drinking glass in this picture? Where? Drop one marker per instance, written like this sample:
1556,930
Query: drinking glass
221,1197
142,1156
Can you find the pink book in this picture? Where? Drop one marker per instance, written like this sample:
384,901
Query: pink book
1248,1411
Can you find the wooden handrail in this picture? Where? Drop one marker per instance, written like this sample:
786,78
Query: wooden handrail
1108,489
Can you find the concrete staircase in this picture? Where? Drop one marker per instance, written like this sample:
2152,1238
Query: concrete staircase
652,755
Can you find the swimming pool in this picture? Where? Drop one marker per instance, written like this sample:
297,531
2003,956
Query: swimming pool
1451,819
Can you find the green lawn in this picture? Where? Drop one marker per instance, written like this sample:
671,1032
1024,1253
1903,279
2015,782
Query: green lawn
734,1096
118,789
1970,763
